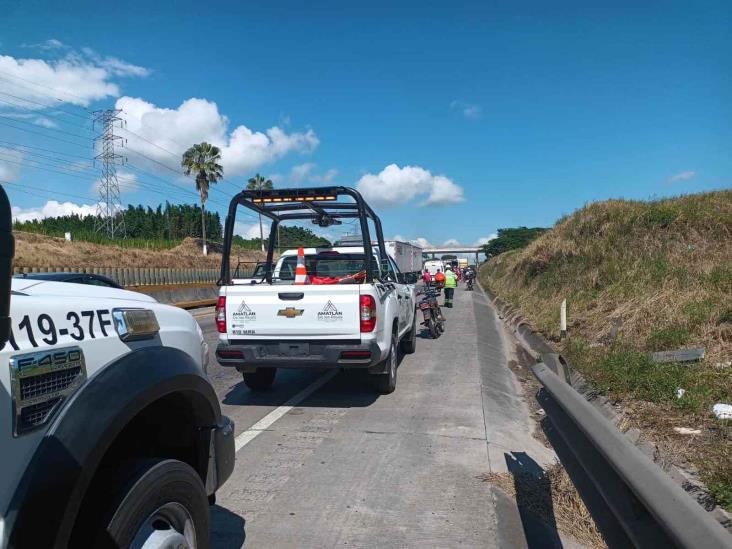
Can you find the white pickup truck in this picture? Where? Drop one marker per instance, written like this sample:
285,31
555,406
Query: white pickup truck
355,311
110,431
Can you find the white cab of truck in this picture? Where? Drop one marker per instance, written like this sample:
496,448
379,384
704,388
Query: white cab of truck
334,320
105,413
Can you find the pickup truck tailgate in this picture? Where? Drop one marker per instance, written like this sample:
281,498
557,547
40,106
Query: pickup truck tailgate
292,312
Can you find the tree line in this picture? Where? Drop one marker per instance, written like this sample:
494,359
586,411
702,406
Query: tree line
169,222
512,239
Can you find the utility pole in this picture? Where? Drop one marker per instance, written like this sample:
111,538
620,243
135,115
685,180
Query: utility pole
109,207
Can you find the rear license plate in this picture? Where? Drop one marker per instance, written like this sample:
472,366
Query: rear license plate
294,349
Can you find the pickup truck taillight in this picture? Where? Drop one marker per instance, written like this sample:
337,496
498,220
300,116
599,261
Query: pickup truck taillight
221,314
368,313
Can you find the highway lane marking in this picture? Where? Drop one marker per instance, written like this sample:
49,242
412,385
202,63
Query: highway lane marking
266,422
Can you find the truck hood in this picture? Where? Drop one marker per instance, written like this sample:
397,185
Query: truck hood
68,289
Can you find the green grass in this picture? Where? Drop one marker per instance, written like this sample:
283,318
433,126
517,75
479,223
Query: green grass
665,269
668,339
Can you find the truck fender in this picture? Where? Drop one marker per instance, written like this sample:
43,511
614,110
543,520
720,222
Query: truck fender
48,498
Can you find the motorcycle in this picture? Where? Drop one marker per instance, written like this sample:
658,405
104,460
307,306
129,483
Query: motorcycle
433,319
469,284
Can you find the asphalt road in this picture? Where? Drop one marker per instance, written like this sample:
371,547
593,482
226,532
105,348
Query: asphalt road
326,462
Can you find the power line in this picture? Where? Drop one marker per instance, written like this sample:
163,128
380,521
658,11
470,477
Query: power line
175,155
45,135
49,129
49,192
28,113
43,149
45,105
8,75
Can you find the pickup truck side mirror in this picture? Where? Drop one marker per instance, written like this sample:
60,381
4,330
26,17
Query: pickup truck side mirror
7,252
410,278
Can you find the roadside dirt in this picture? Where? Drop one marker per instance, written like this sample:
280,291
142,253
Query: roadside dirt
33,250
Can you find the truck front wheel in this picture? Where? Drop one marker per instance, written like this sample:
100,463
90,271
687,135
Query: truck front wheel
156,503
260,379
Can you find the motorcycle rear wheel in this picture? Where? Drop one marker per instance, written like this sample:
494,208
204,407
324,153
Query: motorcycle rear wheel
432,327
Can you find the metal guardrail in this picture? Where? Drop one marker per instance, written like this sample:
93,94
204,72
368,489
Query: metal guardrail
648,506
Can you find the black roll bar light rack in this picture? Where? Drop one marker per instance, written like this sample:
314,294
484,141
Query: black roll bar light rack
319,204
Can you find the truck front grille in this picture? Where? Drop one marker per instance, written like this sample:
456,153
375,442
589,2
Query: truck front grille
36,414
40,382
50,383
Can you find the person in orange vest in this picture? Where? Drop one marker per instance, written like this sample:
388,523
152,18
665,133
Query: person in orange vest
439,279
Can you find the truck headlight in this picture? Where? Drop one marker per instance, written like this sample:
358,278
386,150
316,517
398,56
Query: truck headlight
134,324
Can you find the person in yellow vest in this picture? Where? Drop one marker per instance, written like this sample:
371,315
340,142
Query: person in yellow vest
450,284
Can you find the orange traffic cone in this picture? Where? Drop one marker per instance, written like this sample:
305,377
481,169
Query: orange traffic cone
301,274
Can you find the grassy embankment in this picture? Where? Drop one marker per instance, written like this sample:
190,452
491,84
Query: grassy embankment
661,270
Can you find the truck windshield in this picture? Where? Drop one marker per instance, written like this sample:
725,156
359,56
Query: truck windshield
325,268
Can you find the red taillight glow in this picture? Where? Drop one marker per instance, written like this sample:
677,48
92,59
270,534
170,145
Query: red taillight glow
221,315
355,354
368,313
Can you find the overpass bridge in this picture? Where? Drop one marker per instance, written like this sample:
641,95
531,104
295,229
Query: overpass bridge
452,250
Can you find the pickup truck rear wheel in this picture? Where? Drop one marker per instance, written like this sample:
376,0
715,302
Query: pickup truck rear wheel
409,341
260,379
386,383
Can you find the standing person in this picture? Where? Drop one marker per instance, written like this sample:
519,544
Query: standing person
427,277
450,284
439,279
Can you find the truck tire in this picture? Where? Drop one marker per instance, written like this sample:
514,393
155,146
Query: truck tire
261,379
157,501
386,383
408,343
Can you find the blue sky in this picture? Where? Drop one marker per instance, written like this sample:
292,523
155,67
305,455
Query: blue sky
456,119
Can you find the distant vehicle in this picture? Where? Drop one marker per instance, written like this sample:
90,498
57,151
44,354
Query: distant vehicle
462,262
74,278
407,256
244,274
433,265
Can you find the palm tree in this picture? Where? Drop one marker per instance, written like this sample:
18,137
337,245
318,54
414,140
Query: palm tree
259,183
203,161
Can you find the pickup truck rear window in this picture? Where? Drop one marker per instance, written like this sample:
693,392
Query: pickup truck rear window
326,268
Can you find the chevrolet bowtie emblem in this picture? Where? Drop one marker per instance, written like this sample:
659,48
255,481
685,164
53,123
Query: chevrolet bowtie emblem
290,312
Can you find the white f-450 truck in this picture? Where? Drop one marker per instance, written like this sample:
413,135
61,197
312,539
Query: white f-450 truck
353,308
110,432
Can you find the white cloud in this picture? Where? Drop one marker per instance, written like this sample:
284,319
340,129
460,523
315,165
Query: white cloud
485,239
421,242
114,65
196,120
468,110
306,173
683,176
30,117
395,185
50,44
52,208
251,230
10,160
45,122
451,242
77,77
